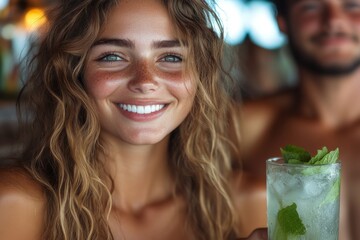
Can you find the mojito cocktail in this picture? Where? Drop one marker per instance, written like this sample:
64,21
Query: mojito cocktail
303,200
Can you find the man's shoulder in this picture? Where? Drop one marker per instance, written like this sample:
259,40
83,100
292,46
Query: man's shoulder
273,103
266,110
258,116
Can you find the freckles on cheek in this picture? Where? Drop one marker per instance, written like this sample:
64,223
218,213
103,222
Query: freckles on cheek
100,84
183,83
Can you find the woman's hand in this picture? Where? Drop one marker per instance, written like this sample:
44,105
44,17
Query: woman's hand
257,234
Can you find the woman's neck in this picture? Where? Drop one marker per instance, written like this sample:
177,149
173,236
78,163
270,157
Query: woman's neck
141,175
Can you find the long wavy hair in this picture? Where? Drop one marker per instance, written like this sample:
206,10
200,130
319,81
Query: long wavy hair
63,141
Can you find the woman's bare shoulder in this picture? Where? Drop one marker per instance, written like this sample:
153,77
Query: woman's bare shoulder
22,205
17,178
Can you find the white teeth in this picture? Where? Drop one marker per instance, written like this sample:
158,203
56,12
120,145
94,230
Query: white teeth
142,109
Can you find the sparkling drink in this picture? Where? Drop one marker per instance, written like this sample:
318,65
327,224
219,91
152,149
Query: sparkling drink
302,200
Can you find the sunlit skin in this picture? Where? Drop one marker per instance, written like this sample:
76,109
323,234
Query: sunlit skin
321,111
326,30
135,75
137,64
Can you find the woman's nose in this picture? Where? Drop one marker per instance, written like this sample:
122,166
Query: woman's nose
143,80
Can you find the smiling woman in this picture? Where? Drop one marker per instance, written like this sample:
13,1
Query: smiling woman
125,68
127,125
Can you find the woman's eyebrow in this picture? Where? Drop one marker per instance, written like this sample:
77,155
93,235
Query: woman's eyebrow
115,42
119,42
166,44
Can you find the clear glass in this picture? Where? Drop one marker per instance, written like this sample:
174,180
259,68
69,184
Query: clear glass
313,191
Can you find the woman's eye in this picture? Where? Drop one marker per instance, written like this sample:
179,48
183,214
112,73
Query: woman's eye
171,58
110,58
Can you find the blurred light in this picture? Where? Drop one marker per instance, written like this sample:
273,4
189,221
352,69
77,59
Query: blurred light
34,18
3,3
233,16
253,18
8,31
263,28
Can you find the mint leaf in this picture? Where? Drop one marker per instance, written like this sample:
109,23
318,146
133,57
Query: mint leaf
289,221
333,194
298,155
320,154
331,157
292,152
314,170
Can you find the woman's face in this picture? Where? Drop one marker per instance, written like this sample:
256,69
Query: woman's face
134,73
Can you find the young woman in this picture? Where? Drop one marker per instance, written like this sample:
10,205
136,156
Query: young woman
126,123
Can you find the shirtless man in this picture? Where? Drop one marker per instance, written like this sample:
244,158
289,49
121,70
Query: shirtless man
323,110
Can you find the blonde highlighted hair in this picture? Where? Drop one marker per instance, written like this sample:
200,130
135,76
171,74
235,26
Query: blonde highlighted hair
62,146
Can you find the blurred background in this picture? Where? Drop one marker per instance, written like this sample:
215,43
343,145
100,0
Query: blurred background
256,53
257,49
19,21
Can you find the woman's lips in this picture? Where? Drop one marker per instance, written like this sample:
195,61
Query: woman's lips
142,113
142,109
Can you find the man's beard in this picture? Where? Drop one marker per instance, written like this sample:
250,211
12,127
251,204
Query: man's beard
308,62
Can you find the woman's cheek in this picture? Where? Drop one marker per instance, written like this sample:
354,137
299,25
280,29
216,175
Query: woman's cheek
184,84
101,84
187,87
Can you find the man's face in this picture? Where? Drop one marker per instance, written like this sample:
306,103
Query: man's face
324,35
